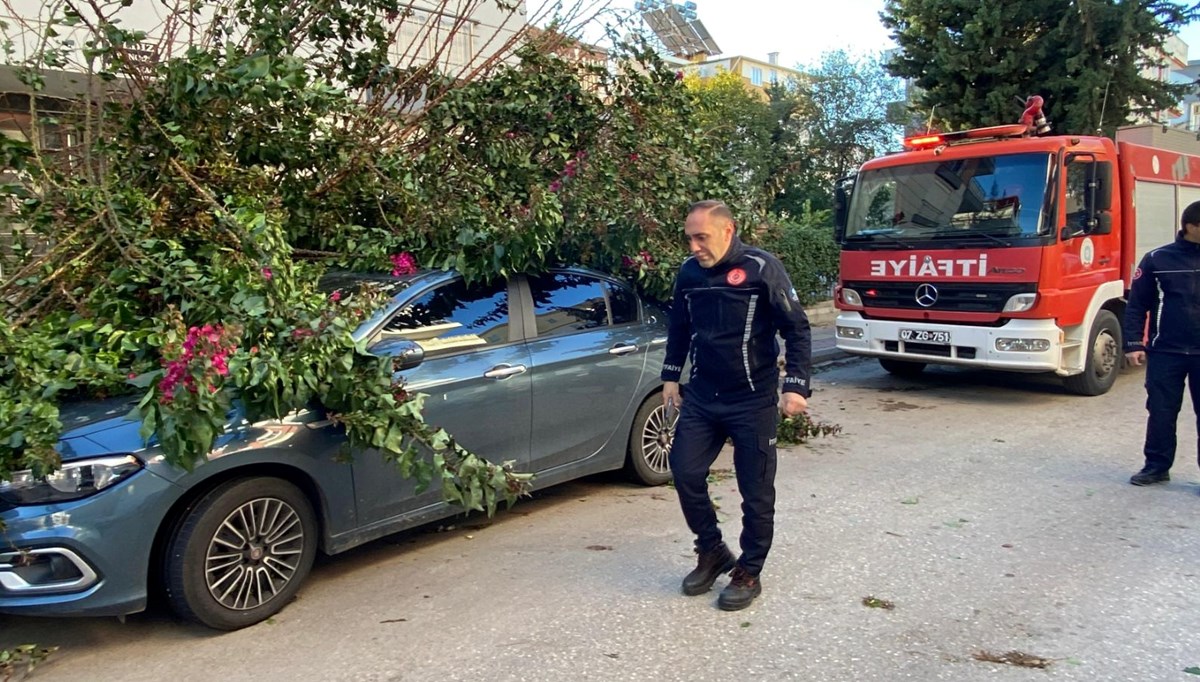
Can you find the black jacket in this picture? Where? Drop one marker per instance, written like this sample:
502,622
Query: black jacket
727,316
1166,286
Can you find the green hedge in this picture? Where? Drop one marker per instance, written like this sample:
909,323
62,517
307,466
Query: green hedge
808,251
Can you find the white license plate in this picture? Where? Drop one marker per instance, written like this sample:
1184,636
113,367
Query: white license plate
925,336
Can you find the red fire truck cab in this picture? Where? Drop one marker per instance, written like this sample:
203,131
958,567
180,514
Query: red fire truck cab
999,248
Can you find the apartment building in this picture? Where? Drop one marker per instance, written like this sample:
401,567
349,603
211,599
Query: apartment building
757,74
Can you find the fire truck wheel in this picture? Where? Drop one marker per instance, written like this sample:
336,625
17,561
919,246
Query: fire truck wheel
1103,361
902,368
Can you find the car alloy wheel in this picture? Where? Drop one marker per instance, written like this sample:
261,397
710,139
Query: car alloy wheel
254,554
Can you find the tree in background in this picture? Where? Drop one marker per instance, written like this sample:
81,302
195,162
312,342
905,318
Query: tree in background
755,137
846,125
973,61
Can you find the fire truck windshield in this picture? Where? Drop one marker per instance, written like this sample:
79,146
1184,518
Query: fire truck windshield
996,199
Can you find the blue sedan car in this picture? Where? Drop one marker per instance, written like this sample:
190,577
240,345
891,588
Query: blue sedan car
559,372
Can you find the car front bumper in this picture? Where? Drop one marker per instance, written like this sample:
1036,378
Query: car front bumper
87,557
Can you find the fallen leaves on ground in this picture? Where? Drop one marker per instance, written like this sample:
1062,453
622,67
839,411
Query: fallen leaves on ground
1016,658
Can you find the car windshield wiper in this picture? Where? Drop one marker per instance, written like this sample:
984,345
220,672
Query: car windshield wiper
870,236
961,233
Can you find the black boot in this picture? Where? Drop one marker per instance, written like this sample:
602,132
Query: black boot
740,592
1149,477
710,565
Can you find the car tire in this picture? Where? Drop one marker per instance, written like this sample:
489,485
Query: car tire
902,368
650,444
240,553
1103,362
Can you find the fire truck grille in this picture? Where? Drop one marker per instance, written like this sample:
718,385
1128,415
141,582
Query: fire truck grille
959,297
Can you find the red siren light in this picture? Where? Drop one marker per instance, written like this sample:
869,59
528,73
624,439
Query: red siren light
924,141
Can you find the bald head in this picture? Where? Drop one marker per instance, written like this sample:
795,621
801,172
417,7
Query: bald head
709,229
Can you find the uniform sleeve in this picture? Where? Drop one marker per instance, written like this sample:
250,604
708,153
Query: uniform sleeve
1141,301
792,323
679,333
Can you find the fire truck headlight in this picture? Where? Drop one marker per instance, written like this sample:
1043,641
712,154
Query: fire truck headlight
1020,303
850,332
1022,345
851,297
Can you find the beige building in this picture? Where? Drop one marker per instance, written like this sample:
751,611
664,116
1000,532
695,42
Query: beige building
758,74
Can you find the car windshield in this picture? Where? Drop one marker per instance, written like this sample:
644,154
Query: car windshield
347,284
990,198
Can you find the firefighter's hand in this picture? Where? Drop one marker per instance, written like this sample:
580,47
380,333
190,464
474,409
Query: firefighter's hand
671,393
792,404
1136,358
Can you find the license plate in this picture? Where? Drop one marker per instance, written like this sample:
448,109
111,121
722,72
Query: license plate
925,336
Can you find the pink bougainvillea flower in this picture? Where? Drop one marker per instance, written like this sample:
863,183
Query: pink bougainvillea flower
403,264
556,185
335,296
267,274
132,375
634,156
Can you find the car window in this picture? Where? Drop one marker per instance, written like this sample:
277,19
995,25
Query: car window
453,317
566,303
623,303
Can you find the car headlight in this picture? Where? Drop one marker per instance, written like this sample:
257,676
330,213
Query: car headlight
72,481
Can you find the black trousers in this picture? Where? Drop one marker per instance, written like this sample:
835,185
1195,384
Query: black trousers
1165,375
700,433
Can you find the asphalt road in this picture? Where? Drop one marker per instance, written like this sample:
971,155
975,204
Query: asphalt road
991,510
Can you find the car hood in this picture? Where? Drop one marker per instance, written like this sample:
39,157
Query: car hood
99,427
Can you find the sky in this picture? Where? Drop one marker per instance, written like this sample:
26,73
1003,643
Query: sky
754,28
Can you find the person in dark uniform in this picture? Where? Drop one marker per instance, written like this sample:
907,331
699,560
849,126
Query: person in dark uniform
1166,292
730,301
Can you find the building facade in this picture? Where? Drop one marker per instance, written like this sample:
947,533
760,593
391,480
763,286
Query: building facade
759,75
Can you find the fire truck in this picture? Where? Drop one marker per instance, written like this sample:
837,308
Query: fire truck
1004,248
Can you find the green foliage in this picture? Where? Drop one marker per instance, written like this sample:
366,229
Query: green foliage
808,251
802,428
172,251
971,60
19,661
849,124
756,137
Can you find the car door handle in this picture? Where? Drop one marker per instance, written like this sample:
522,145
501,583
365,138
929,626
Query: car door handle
623,349
503,371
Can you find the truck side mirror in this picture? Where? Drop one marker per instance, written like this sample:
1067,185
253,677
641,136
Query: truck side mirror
1102,223
841,205
1102,201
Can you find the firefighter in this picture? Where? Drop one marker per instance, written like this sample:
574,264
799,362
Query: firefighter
730,301
1166,290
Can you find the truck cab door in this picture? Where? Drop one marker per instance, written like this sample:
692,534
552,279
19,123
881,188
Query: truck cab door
1089,252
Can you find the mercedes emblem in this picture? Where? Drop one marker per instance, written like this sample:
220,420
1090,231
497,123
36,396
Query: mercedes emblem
927,295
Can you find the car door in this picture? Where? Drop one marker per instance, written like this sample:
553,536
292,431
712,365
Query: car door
475,374
588,349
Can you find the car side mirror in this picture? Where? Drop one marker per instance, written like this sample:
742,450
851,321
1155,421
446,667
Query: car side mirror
406,352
